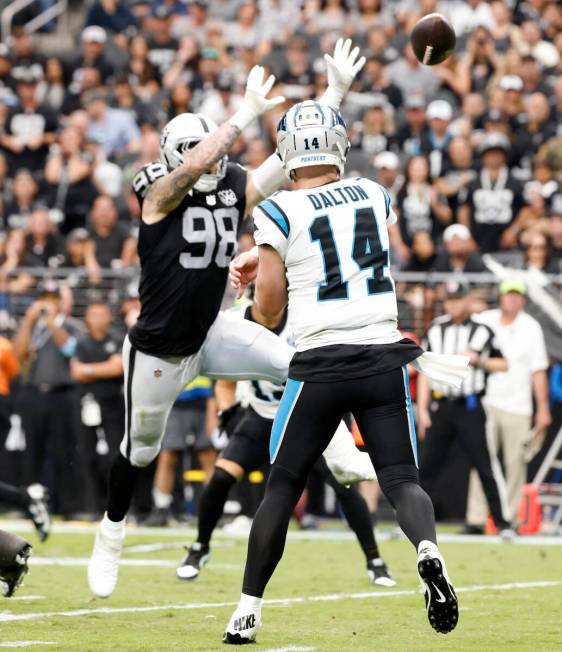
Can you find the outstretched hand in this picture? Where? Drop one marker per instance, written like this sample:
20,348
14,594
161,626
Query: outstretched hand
343,66
242,271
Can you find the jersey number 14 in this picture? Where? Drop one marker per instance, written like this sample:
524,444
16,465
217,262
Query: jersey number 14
367,252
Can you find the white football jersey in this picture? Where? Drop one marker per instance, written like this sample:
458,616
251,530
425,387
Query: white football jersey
334,242
262,395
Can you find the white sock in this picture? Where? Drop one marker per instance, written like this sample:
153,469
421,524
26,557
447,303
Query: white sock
161,500
427,546
112,526
250,602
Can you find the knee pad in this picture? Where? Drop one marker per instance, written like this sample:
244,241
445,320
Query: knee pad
146,434
392,477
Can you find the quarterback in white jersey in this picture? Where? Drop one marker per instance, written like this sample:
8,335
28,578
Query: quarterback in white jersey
334,241
323,250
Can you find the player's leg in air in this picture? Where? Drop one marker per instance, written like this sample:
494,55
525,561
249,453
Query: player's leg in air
34,500
358,517
323,249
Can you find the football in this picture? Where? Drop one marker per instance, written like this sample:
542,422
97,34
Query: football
433,39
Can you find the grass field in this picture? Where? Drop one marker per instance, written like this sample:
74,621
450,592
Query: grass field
510,597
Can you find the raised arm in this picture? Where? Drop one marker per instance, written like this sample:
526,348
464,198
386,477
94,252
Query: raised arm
167,193
342,66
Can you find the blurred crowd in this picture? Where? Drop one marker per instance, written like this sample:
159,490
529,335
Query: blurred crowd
470,150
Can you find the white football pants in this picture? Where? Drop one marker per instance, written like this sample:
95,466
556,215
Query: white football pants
233,350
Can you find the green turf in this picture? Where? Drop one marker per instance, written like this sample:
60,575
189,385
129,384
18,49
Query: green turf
519,619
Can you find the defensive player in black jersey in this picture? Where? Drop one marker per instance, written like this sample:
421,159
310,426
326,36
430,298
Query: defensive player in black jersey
248,449
192,202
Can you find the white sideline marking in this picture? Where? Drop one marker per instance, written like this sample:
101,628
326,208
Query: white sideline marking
291,648
28,643
84,561
335,597
28,597
159,547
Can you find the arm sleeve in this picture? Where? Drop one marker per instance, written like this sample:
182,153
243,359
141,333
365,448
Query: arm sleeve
269,176
272,226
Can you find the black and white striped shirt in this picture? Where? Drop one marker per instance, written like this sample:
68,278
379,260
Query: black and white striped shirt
446,337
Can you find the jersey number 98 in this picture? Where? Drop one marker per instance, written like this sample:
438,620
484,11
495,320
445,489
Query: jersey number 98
202,228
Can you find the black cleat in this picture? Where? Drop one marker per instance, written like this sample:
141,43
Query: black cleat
440,598
378,573
197,556
235,639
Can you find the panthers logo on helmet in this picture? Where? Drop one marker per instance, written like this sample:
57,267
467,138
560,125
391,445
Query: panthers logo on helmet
227,197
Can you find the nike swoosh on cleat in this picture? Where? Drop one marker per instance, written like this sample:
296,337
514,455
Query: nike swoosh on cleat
441,597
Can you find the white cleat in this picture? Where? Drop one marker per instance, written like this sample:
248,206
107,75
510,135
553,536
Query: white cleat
378,573
242,626
104,562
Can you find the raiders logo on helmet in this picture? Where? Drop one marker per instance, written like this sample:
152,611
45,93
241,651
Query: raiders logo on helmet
227,197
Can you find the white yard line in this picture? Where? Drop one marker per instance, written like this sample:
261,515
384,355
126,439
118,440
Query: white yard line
83,561
310,535
28,643
291,648
336,597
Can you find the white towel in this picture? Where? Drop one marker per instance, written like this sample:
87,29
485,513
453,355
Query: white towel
441,368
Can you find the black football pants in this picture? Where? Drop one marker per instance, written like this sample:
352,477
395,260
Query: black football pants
452,419
306,420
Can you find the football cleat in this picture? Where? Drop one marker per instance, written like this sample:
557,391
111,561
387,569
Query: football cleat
242,627
38,510
103,568
440,598
378,573
507,534
197,556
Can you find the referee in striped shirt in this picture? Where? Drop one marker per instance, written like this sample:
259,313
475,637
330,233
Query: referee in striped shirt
446,413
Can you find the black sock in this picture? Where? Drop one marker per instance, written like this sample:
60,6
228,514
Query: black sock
13,495
414,509
122,480
269,529
357,515
211,503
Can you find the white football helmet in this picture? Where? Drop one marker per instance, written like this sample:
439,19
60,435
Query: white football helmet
181,134
311,134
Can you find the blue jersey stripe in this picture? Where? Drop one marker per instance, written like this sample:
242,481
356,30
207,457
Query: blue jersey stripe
411,422
272,210
386,201
288,400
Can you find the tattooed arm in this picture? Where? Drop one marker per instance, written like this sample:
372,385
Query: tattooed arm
168,192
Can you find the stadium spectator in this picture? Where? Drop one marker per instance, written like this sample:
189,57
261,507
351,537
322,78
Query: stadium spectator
493,200
68,173
411,77
435,141
419,204
459,255
410,132
538,253
111,243
113,15
457,173
387,166
29,127
52,91
161,44
114,129
143,73
26,62
93,39
17,210
46,339
470,14
43,245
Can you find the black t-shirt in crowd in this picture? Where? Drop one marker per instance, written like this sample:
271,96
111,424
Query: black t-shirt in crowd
493,207
162,55
184,263
51,254
90,350
110,247
416,214
28,125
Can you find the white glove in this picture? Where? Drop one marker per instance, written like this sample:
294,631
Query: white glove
255,102
348,464
342,70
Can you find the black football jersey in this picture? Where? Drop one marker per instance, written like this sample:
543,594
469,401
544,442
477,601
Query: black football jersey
184,263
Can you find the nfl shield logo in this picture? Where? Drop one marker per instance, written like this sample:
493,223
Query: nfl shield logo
157,373
228,197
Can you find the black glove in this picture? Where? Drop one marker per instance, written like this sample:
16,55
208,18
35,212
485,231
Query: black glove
14,553
230,418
